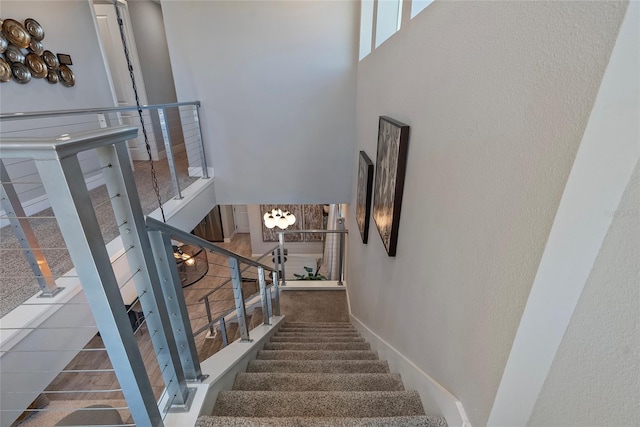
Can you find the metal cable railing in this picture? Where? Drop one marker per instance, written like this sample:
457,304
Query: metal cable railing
122,296
234,289
177,137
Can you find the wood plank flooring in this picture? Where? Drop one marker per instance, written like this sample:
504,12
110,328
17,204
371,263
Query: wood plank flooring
88,382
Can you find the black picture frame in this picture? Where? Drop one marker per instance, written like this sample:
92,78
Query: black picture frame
364,195
391,165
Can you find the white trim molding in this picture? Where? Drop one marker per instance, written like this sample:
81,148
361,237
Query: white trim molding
436,399
601,171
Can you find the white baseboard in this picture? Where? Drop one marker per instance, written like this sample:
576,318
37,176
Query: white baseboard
40,203
435,398
230,238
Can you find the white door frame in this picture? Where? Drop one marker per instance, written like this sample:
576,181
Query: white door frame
138,150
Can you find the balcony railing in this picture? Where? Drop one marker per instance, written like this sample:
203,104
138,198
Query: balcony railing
177,160
158,315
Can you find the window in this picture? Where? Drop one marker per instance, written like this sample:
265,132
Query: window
366,27
388,19
418,5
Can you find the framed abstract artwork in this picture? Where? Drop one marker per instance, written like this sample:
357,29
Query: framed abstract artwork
365,188
391,163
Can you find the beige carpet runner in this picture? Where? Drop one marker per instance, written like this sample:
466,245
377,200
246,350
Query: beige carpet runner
318,374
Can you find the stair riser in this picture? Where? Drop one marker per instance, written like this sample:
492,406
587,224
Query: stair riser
318,331
317,324
317,339
317,404
317,334
319,366
406,421
348,327
316,355
317,346
318,382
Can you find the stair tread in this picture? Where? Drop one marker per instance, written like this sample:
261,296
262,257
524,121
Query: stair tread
317,354
318,323
319,334
318,403
312,366
317,346
290,329
279,381
402,421
314,326
316,339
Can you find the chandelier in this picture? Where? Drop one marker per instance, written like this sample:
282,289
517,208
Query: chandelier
278,218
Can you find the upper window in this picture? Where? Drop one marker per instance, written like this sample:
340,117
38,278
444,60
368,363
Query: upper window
388,19
418,5
366,27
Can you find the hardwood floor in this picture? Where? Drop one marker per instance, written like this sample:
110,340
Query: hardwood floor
85,384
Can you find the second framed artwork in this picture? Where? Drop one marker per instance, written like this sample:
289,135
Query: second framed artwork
365,187
391,164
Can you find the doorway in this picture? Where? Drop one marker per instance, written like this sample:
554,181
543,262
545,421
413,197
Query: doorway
116,62
241,218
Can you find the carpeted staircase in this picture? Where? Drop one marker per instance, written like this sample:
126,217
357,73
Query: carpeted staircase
318,374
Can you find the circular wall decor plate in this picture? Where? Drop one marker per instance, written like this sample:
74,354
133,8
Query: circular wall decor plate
36,65
66,76
3,42
52,77
14,54
5,71
36,47
50,59
34,28
21,73
16,33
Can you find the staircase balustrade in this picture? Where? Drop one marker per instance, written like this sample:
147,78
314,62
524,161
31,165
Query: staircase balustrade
152,270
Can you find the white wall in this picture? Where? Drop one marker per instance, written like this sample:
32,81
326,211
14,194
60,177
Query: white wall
277,83
594,376
69,28
155,64
497,95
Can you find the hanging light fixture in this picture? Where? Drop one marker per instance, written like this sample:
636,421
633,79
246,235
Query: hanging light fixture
192,263
279,218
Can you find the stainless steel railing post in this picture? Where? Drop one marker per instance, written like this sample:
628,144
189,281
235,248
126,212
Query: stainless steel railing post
263,297
207,307
236,281
26,237
341,256
203,159
166,137
223,332
281,256
276,294
174,299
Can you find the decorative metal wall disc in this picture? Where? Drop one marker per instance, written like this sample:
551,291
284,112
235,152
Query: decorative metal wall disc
36,65
36,47
66,76
34,28
5,71
14,54
3,42
52,77
50,59
16,33
20,72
